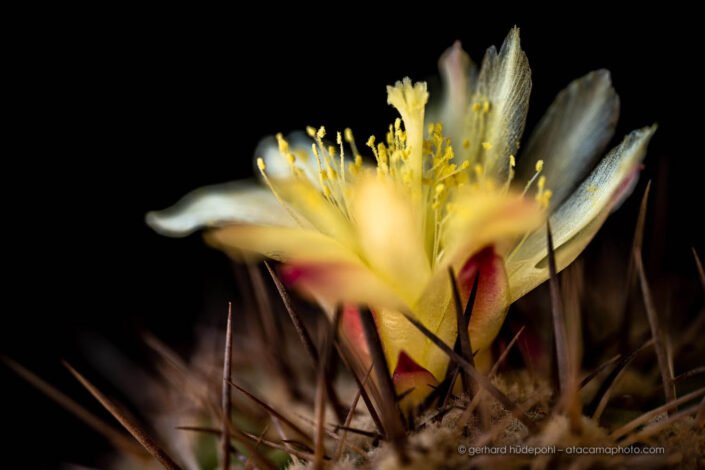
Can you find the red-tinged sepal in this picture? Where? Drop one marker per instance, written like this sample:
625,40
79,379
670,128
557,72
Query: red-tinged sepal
413,382
492,299
353,335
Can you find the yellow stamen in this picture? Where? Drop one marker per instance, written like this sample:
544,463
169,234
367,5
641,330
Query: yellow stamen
539,169
486,106
262,166
478,170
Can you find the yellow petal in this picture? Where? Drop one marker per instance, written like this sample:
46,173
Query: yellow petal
578,219
313,209
391,236
435,311
280,243
211,206
480,218
318,266
499,106
572,134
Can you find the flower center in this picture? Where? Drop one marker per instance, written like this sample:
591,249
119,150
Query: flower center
424,167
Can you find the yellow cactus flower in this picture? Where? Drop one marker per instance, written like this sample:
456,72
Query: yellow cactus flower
446,191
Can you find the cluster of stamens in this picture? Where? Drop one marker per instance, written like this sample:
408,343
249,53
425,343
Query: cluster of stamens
433,187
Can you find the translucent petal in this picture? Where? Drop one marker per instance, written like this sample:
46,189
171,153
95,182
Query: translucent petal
459,76
212,206
391,236
572,134
581,215
335,283
313,210
499,106
479,219
280,243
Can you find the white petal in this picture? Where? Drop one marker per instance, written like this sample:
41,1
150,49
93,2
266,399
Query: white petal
581,215
572,134
237,202
505,84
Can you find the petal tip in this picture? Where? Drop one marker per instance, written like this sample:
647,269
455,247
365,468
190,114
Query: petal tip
514,35
165,225
603,74
640,137
455,55
413,381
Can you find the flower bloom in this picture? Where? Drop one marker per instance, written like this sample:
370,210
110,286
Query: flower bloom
447,191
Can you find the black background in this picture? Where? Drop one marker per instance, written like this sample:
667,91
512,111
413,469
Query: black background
117,113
